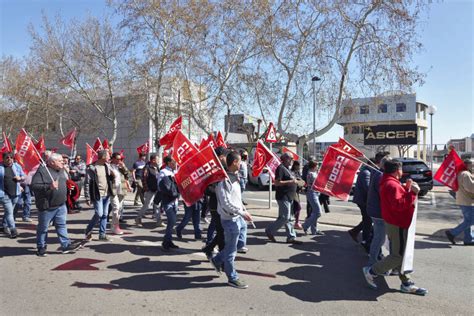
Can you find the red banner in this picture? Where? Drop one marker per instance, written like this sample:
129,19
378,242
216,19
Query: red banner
91,155
183,149
26,154
449,169
69,139
220,140
292,153
40,146
336,174
97,145
343,145
143,149
105,144
264,157
6,148
167,140
198,172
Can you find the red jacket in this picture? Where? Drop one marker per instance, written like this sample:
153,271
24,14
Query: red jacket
396,202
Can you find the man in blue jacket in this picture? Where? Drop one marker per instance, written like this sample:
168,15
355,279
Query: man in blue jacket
11,174
169,200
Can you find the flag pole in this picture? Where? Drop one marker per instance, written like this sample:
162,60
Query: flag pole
362,162
270,185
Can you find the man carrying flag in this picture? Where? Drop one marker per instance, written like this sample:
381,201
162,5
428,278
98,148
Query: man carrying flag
285,193
11,174
397,205
465,200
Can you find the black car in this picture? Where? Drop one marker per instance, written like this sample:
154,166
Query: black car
418,171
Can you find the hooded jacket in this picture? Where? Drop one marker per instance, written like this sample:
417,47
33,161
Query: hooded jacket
396,202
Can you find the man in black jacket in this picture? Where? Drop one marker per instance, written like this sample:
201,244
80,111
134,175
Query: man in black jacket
98,189
150,187
169,200
50,196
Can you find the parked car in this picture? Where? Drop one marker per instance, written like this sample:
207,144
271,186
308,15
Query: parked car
418,171
263,179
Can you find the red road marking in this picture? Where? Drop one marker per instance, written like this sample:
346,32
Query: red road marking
79,264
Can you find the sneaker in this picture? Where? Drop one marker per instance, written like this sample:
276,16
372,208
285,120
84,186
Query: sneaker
394,272
173,246
243,250
369,277
27,220
319,233
305,231
41,252
161,224
450,237
73,246
270,236
116,230
294,241
298,226
13,233
244,203
179,234
239,284
138,221
215,266
104,238
204,220
165,246
411,288
6,231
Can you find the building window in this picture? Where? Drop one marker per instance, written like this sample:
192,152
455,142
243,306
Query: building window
382,108
355,129
364,109
401,107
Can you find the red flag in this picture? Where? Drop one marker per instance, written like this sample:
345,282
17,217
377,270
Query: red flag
203,144
91,154
121,154
183,149
220,140
264,157
342,144
287,150
167,140
336,174
447,173
105,144
69,139
97,145
40,146
271,137
197,173
26,154
144,148
211,141
6,148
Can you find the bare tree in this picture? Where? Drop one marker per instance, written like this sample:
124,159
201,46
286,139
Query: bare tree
87,58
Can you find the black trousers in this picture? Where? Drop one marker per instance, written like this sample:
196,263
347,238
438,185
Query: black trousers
218,239
365,225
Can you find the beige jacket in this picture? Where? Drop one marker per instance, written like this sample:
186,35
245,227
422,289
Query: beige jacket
465,193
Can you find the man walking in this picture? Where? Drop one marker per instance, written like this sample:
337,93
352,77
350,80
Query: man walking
11,174
121,186
397,204
77,171
150,187
169,200
285,192
137,175
98,189
50,190
233,216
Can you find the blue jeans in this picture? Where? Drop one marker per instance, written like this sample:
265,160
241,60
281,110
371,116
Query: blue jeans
234,231
57,214
101,209
194,212
312,220
465,226
284,218
171,210
8,207
24,202
378,239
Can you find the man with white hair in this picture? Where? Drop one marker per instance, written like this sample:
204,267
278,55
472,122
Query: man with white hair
49,187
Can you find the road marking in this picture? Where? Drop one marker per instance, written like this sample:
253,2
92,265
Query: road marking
80,264
433,199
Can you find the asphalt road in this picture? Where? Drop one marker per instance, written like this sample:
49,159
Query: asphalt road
132,275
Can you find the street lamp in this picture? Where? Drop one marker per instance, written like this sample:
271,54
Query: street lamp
314,79
431,111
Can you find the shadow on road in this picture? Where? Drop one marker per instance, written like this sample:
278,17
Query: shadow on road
322,274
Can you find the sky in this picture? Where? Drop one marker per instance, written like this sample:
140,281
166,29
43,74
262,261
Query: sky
447,57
